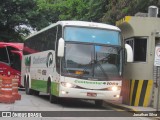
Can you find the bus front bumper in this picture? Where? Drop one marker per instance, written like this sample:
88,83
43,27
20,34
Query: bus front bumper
88,94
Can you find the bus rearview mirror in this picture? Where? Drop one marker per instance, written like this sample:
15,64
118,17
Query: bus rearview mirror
129,52
61,47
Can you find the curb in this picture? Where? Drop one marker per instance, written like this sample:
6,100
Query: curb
123,107
105,103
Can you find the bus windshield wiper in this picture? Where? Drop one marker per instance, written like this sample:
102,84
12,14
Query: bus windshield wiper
94,62
85,68
100,66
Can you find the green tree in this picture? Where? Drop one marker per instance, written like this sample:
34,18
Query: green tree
72,9
14,13
87,10
96,10
40,13
117,9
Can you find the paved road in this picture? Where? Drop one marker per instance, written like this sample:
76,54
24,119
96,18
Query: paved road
41,103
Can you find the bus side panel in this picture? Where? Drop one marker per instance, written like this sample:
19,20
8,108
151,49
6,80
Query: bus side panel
39,85
39,66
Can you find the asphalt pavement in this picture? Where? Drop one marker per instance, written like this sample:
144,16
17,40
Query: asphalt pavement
33,106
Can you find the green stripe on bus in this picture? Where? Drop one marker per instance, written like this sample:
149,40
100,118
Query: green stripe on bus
39,85
55,89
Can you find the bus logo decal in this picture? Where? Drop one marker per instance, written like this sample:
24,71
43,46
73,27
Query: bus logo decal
112,83
49,60
89,82
28,61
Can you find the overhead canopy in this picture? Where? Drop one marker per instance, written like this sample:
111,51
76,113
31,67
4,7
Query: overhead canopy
132,26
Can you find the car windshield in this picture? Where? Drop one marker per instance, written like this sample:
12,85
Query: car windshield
91,61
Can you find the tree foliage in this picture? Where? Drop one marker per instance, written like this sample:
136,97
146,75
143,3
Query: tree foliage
14,13
38,14
117,9
86,10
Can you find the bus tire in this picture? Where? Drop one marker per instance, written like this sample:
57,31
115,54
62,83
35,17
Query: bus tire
53,99
99,103
27,89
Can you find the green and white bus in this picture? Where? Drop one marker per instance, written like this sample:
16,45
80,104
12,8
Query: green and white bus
74,59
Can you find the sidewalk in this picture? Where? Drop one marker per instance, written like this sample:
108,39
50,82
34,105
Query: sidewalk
118,104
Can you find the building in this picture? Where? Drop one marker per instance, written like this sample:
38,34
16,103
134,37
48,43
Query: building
143,34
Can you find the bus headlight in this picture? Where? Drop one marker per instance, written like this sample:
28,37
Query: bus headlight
114,88
69,85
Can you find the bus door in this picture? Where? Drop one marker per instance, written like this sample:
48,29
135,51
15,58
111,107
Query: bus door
16,60
4,60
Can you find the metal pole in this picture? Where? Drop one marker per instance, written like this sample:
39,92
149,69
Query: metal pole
158,78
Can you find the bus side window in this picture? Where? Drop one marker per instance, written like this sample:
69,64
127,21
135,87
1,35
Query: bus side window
16,63
51,38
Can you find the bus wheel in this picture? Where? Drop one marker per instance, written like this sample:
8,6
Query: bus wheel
52,98
99,103
27,89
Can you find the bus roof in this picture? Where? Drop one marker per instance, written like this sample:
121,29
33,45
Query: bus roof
18,46
78,23
88,24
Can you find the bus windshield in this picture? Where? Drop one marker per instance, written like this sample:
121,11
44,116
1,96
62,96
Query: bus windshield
91,61
4,55
92,35
10,57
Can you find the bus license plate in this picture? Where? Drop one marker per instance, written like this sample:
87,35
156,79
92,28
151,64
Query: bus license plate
92,94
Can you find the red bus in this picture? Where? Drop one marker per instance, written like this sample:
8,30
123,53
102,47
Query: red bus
10,59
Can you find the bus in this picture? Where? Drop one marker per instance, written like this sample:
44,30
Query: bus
10,60
74,59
